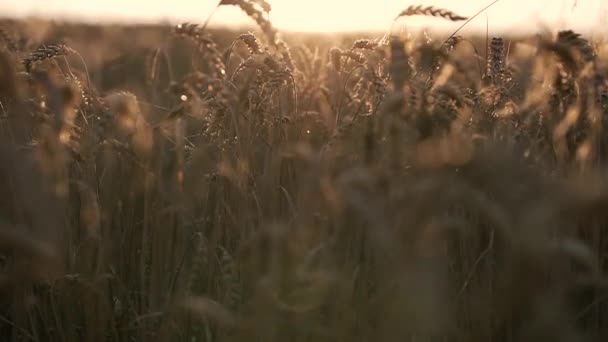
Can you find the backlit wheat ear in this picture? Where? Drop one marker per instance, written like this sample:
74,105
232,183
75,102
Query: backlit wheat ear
355,56
194,32
252,43
83,92
250,40
364,44
563,52
264,5
578,43
495,63
205,44
252,9
44,53
430,11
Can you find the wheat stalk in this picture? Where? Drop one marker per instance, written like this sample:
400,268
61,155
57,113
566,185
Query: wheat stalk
430,11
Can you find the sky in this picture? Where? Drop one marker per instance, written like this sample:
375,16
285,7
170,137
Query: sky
326,15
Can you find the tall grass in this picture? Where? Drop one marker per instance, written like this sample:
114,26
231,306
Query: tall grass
232,188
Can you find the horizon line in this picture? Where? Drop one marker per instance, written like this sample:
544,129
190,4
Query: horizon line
132,20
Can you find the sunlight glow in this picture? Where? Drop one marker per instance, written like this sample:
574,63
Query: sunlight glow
326,15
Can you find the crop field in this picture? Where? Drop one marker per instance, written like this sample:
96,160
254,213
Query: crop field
194,184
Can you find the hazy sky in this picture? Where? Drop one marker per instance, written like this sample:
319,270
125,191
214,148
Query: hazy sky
324,15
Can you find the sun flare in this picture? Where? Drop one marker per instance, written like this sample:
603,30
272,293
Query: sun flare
327,15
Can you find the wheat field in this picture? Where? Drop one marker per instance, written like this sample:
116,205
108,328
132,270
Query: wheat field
184,183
